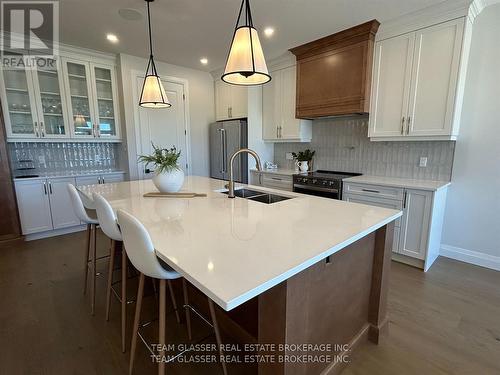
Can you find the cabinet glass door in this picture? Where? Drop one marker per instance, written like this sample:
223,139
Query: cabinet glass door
51,108
77,75
105,102
19,100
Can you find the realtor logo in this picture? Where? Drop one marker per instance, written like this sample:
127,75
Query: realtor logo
30,32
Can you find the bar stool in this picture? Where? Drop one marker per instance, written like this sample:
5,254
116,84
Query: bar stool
108,224
89,217
141,253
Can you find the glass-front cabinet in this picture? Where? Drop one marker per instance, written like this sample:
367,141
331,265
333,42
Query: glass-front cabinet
78,100
19,106
105,101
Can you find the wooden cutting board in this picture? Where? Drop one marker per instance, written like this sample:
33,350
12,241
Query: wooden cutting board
158,194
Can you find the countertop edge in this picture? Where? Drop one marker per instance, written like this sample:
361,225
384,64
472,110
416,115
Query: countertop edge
429,185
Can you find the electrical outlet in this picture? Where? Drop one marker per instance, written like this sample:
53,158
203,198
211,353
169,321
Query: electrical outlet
289,156
423,161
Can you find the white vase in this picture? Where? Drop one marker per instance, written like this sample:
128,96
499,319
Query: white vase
169,182
302,165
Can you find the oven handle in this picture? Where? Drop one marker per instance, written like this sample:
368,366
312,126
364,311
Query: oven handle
315,188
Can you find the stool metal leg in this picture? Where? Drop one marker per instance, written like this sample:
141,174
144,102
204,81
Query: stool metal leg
137,317
162,321
174,302
94,269
87,254
124,296
217,333
187,309
110,277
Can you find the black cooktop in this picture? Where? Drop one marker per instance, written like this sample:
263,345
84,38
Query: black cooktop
333,175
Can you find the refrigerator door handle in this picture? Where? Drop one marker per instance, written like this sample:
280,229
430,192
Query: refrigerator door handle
221,137
224,152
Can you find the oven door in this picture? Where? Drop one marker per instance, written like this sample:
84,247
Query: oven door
317,191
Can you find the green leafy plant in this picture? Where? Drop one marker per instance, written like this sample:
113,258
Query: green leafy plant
164,159
305,155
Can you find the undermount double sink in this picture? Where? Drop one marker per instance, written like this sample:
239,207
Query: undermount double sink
258,196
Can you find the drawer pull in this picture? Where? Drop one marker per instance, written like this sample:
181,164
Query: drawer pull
276,178
371,191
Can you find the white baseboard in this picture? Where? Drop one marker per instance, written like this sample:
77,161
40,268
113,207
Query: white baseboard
469,256
55,232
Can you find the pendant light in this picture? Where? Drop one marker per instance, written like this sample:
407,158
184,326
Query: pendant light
153,94
246,64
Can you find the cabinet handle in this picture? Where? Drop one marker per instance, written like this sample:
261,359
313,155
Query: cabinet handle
102,179
36,130
277,131
276,178
42,129
98,130
408,125
50,187
405,195
281,132
45,187
371,191
403,126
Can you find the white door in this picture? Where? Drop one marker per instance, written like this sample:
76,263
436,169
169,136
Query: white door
434,78
165,127
290,126
391,86
60,203
34,207
271,107
415,223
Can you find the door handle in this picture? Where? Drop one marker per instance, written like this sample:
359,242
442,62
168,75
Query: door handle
403,126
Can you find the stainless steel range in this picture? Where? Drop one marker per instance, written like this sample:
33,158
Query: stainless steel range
321,183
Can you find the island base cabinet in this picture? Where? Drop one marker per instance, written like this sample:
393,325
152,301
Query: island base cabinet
341,301
61,207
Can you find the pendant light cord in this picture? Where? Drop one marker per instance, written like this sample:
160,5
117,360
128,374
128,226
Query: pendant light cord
150,37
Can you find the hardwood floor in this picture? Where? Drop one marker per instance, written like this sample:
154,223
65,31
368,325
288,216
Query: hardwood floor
444,322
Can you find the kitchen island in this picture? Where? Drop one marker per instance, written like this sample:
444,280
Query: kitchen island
315,268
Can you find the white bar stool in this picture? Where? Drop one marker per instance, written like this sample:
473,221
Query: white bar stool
108,224
141,253
89,217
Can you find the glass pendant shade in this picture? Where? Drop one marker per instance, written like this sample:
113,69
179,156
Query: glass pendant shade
246,64
153,94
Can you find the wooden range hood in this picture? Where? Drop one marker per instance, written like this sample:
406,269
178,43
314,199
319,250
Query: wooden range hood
334,73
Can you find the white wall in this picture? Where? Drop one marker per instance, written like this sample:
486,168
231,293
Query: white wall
472,221
201,109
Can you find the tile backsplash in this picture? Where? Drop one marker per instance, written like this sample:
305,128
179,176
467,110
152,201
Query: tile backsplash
62,156
342,144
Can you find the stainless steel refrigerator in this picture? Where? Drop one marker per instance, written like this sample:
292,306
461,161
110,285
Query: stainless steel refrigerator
227,137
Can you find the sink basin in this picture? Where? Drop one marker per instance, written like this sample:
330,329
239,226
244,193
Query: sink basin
269,198
258,196
245,193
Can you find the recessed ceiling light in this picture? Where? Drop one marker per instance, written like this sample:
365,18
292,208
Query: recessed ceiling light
112,38
204,60
269,31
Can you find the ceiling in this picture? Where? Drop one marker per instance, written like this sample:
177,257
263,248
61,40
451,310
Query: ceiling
186,30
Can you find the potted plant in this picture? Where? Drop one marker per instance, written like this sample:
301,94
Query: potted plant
168,175
304,159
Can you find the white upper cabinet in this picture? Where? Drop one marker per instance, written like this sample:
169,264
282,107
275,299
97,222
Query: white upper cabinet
78,100
416,93
278,109
391,85
231,102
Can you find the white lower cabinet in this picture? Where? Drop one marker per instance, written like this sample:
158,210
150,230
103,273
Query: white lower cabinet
271,180
45,205
60,203
33,205
417,234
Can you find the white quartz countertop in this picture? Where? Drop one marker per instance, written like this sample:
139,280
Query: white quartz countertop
278,171
235,249
62,174
399,182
